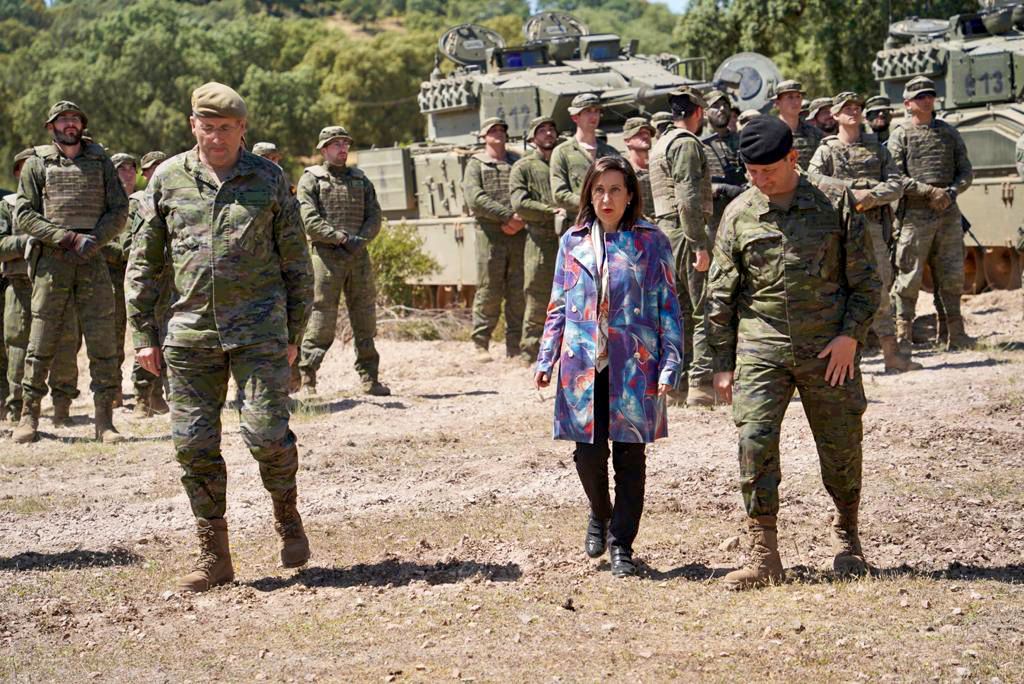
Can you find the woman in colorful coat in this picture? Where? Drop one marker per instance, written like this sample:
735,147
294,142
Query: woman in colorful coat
614,323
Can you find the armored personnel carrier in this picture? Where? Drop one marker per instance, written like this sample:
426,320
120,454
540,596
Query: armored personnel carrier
559,59
977,63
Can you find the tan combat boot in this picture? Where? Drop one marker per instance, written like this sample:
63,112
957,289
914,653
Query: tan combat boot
764,566
376,388
118,401
905,337
29,422
958,338
105,431
213,566
849,557
157,404
294,543
142,406
308,381
62,412
701,395
895,362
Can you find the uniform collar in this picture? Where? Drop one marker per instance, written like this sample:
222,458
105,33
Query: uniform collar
803,198
246,164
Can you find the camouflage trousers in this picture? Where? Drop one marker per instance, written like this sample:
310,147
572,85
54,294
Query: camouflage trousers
144,381
539,272
936,240
883,323
63,378
5,387
337,273
693,305
761,394
61,289
500,277
117,273
198,379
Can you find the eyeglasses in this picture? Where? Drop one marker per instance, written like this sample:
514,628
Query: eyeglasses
224,129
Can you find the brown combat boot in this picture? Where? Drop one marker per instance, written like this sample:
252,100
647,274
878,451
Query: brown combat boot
905,337
62,412
958,338
105,431
29,423
213,566
764,566
118,400
157,404
701,395
849,557
294,543
308,380
142,398
941,330
376,388
895,362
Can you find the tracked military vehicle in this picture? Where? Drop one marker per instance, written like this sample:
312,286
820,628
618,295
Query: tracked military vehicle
977,63
559,59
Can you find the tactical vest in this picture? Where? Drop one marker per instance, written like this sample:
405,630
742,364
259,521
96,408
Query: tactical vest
343,197
663,187
805,141
723,161
643,179
494,176
931,153
75,195
858,161
15,267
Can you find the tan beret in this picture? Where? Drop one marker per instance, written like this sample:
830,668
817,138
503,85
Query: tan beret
218,100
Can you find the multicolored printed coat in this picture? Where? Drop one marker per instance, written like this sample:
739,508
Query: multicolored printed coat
644,333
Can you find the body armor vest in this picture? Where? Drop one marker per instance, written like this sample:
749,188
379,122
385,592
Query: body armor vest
74,195
858,161
663,187
724,161
343,198
805,141
931,154
643,179
495,177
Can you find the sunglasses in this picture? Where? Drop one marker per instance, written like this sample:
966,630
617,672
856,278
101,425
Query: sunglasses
921,96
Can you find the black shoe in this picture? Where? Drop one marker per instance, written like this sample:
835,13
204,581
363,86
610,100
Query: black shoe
622,562
597,537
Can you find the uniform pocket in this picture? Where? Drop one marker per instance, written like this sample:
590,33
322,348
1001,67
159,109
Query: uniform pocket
763,257
250,227
825,263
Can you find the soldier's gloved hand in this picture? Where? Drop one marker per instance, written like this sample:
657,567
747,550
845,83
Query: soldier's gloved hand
354,243
84,246
939,199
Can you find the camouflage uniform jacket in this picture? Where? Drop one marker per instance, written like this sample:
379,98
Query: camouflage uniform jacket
806,139
241,267
569,165
351,208
485,185
643,180
116,251
728,176
930,155
12,246
530,191
784,283
92,161
863,165
682,184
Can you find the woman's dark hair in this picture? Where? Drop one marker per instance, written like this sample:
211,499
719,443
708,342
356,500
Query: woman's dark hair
635,208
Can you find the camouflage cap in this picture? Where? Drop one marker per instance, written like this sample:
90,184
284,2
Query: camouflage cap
264,148
122,158
747,115
490,123
788,86
716,96
690,93
584,101
634,125
151,158
817,104
332,133
661,118
845,98
919,85
876,103
21,157
66,106
805,106
218,100
537,123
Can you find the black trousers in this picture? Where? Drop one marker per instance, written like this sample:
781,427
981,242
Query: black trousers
630,464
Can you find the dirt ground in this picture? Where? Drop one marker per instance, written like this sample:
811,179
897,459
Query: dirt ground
447,532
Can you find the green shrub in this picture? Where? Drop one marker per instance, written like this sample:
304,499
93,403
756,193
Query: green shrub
398,256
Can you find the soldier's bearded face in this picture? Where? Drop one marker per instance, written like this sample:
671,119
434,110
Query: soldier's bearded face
880,122
775,179
719,114
336,151
67,129
825,121
219,139
545,137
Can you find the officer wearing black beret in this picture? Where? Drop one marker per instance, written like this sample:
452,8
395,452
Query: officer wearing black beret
792,292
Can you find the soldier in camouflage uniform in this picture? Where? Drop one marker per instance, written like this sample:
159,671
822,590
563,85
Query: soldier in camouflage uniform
806,137
267,150
17,318
820,116
931,156
681,183
878,113
149,388
228,226
116,254
340,215
859,162
572,158
638,135
70,199
500,241
662,121
722,151
530,192
792,292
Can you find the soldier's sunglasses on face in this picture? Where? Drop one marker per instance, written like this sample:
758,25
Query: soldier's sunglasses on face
921,96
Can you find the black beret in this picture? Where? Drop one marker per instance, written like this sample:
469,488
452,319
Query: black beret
765,140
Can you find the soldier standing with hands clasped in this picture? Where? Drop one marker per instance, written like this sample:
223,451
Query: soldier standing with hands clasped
792,292
227,223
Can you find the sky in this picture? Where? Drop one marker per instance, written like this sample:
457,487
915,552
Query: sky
676,6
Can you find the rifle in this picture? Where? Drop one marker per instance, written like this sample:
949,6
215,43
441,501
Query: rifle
965,225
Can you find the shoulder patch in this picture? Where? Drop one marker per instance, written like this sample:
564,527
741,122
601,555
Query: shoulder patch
316,171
